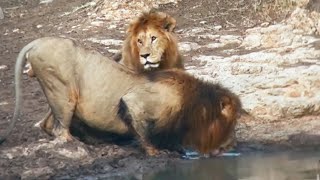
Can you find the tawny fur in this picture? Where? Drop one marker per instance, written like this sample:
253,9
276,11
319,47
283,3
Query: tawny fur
107,96
151,44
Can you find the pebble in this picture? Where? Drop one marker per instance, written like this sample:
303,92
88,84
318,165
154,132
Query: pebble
3,67
45,1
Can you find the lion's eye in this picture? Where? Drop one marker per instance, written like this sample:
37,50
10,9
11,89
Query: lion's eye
153,38
139,41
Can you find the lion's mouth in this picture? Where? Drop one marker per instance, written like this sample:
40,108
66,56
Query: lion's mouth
149,65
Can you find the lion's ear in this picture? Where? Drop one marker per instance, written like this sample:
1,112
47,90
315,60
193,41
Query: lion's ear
228,108
224,101
225,105
169,23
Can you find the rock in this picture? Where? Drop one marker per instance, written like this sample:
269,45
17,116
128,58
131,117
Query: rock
45,1
36,172
119,10
304,20
97,23
4,67
301,3
3,102
114,51
1,14
217,28
279,78
242,68
106,42
252,41
79,153
188,46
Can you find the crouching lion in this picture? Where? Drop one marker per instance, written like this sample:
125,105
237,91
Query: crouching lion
107,96
151,44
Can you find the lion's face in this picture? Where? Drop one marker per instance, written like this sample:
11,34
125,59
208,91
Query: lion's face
151,44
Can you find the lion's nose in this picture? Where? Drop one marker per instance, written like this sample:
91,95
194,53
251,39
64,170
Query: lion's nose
145,55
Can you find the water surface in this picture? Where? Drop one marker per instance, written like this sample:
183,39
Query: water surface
296,165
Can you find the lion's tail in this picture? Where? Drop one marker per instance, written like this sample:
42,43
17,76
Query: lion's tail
17,80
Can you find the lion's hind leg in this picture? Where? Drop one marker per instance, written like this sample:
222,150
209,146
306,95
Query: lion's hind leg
47,123
61,119
62,106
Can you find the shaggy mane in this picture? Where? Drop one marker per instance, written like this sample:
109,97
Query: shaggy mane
148,19
200,124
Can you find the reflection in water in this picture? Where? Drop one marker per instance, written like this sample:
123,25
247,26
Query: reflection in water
275,166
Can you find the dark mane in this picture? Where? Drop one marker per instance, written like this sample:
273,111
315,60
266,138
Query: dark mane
202,107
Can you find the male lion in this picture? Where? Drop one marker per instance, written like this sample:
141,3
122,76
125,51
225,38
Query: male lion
107,96
151,44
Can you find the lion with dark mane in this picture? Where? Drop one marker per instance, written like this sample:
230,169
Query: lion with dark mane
107,96
151,44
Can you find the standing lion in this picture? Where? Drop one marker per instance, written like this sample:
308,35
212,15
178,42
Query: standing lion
151,44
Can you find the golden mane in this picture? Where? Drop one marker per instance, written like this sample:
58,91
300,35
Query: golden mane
164,53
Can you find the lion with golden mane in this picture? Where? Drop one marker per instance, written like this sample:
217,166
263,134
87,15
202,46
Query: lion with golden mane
151,44
85,84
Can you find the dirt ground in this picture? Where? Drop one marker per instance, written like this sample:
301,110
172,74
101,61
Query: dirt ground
117,160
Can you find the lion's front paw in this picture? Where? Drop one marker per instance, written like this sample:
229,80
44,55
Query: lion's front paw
152,151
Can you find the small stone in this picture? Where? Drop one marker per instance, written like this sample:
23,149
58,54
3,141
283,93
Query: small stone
217,28
112,26
97,23
39,26
188,46
4,102
45,1
3,67
265,24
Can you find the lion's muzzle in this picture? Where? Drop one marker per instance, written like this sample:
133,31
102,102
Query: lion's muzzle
150,65
148,62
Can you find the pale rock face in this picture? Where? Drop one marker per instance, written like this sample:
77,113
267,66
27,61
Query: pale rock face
122,10
305,21
278,77
271,85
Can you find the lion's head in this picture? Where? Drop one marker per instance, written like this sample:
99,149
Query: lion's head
214,125
207,114
151,43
